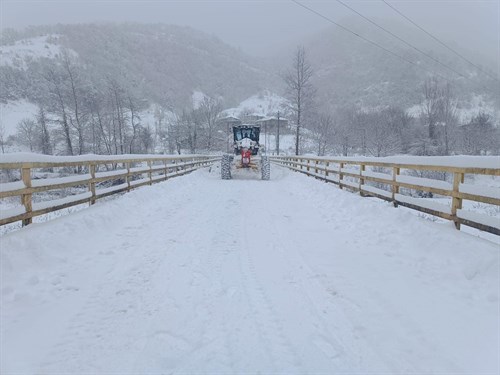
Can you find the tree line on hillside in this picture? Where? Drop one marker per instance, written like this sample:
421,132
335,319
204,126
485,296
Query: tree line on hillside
84,111
387,130
166,62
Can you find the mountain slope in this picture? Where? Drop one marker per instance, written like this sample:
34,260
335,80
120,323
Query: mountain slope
349,71
165,63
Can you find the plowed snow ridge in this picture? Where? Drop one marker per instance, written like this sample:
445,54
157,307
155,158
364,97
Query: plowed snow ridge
199,275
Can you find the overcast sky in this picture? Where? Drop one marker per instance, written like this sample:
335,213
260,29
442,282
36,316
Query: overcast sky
259,26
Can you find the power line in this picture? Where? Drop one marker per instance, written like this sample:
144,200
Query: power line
401,39
438,40
368,40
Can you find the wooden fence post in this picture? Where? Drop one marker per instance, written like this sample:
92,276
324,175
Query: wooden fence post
128,176
26,199
308,167
92,183
361,179
165,162
150,175
326,168
456,203
395,186
341,176
316,167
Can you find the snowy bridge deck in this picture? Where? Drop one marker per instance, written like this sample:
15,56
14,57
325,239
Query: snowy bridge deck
198,275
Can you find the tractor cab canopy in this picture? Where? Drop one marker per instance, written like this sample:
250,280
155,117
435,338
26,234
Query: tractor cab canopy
246,131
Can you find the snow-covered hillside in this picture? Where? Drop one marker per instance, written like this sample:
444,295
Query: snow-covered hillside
32,48
465,111
264,103
311,279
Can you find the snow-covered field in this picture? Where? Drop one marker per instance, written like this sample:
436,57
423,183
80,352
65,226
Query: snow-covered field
262,104
199,275
31,48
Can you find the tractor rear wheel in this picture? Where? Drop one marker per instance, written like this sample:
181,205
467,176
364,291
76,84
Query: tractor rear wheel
265,167
225,166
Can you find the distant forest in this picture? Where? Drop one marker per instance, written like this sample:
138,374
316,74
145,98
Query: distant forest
92,96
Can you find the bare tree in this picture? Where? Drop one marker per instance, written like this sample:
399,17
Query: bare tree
26,133
77,118
479,135
145,135
399,123
56,90
135,124
323,130
119,118
100,122
299,90
431,106
43,130
3,141
209,111
345,131
381,139
448,117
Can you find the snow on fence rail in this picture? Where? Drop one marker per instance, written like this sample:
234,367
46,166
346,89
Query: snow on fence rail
388,183
94,173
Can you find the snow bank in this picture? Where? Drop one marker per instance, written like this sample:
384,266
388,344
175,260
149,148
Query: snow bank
479,218
425,203
459,161
10,212
485,191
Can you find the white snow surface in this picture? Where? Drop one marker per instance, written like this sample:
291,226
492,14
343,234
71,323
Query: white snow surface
459,161
12,113
262,104
199,275
31,48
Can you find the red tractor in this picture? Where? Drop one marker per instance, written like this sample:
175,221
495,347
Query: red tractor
247,148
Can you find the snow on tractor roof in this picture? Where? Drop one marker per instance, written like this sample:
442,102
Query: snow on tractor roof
246,126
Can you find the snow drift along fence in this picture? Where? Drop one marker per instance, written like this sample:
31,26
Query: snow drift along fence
95,179
388,183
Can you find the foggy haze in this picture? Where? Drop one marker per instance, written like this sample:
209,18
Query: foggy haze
261,27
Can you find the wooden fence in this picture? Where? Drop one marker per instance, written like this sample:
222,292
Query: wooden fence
386,181
95,178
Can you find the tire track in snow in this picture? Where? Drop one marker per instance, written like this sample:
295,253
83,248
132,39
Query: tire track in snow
107,321
326,324
280,351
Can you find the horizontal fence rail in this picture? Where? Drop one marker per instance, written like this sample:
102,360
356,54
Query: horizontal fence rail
386,181
93,179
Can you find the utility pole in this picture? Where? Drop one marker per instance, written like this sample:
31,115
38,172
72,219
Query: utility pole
265,140
278,136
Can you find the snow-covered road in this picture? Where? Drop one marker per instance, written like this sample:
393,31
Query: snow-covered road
199,275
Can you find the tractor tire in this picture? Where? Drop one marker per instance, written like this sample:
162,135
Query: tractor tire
225,167
265,168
